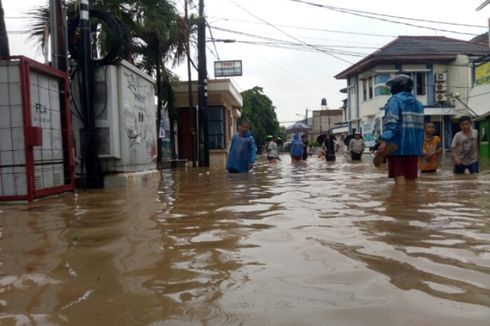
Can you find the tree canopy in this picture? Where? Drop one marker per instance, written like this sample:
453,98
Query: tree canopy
259,111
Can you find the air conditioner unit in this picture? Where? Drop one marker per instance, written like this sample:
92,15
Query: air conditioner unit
441,87
441,98
441,77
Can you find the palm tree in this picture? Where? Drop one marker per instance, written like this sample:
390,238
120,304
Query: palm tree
4,41
158,24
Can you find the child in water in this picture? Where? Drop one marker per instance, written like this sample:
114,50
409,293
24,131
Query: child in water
429,160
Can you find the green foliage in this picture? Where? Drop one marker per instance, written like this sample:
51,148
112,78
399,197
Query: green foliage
259,111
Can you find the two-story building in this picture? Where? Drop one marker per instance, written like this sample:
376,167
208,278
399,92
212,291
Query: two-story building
440,67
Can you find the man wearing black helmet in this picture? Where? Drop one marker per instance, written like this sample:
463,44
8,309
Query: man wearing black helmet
403,130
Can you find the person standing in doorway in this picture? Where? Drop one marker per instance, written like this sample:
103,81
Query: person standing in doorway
403,131
243,151
356,147
464,149
330,147
431,150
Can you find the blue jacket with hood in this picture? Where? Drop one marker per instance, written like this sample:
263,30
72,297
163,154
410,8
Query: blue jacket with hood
242,152
403,124
296,147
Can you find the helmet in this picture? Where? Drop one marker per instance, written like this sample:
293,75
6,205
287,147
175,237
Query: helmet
400,83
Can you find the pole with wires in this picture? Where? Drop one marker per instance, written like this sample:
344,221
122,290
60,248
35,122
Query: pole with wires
189,87
92,177
203,91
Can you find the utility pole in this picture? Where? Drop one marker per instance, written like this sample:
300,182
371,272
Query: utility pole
189,88
93,175
57,27
203,89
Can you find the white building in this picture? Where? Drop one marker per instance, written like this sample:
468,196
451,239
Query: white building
440,68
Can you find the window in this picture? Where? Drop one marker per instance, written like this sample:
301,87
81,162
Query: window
370,82
364,89
216,130
380,87
420,83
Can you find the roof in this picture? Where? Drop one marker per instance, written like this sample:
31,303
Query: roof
481,39
417,49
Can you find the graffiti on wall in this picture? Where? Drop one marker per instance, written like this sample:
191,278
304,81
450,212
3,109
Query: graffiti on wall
139,112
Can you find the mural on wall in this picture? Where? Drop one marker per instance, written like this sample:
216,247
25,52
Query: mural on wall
139,111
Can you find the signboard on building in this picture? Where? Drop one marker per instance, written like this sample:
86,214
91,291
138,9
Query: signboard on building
482,74
228,68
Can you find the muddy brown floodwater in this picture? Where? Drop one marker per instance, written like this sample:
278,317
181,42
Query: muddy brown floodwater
303,244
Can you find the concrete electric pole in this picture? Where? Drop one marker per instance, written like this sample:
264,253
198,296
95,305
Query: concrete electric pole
203,89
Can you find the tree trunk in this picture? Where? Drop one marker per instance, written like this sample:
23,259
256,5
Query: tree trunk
4,41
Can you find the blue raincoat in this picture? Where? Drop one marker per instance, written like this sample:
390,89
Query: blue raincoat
242,153
404,124
297,147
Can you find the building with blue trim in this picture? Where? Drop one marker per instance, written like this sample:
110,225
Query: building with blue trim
441,67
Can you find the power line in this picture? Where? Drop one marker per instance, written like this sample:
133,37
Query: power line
297,47
212,38
285,43
289,35
310,28
292,73
375,16
397,17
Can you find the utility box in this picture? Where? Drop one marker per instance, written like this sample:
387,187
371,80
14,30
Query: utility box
36,151
125,112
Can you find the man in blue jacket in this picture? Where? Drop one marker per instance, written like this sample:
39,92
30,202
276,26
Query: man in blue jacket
242,150
403,130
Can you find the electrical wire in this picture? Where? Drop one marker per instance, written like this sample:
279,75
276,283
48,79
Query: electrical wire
322,87
300,47
307,28
288,43
397,17
119,34
376,17
289,35
212,39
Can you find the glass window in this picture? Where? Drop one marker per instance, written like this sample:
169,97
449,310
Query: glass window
379,85
216,128
381,78
364,90
421,83
370,81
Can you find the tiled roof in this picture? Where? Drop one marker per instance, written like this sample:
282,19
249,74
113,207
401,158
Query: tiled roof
482,39
417,49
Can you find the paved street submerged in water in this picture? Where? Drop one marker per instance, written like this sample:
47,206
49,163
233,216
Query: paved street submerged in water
291,244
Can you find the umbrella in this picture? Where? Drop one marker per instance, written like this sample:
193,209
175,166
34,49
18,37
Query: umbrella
298,127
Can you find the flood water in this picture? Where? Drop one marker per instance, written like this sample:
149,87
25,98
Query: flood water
290,244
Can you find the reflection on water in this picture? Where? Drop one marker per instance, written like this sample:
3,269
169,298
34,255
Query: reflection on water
290,244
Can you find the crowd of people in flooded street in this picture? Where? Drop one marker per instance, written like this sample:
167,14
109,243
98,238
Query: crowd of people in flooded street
408,142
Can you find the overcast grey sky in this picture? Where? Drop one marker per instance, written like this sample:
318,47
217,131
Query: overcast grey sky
297,80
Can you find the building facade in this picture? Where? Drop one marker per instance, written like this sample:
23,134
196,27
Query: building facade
442,72
224,104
